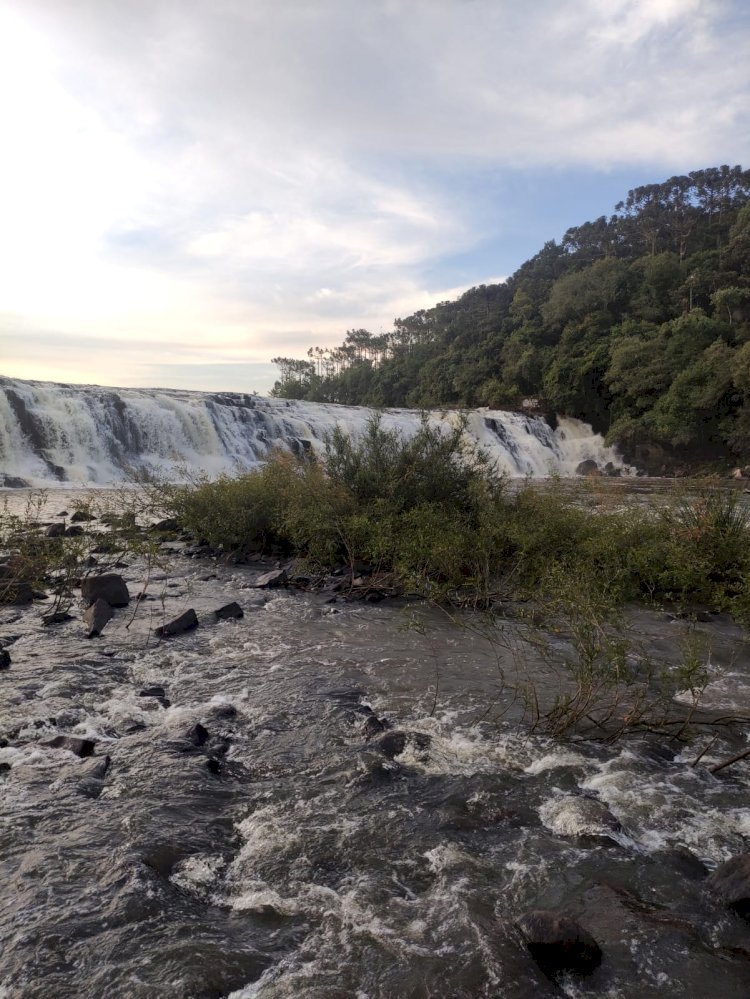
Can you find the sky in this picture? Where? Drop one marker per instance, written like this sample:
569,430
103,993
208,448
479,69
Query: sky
189,188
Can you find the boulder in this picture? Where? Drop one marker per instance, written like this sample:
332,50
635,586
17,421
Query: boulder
276,577
16,592
229,611
75,531
558,943
588,467
110,587
612,470
731,880
168,524
55,531
185,622
96,616
71,743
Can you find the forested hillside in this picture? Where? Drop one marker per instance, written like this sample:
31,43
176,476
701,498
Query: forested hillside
638,323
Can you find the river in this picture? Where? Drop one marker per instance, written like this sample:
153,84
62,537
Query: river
279,852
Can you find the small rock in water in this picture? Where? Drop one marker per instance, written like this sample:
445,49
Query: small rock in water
71,743
96,616
75,531
55,531
225,711
158,693
81,516
276,577
558,943
229,611
110,587
185,622
588,467
198,735
56,617
392,744
4,659
731,880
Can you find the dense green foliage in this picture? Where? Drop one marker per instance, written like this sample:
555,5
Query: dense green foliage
638,323
436,518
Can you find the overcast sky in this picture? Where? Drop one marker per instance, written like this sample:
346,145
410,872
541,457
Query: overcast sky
190,187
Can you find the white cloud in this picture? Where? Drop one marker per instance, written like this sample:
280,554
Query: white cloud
247,173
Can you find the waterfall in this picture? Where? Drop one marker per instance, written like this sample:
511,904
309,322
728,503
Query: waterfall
89,435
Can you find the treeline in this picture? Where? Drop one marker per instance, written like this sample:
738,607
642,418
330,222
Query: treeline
638,323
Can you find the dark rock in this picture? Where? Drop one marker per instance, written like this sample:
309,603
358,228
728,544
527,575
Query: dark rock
219,745
558,943
229,611
56,617
74,531
71,743
153,690
97,769
213,766
225,711
197,735
55,531
4,659
16,593
13,482
392,744
731,880
588,467
185,622
168,524
276,577
81,517
612,470
96,616
374,726
110,587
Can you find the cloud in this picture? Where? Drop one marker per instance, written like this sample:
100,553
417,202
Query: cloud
247,174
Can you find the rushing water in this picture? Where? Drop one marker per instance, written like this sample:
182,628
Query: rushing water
302,861
86,435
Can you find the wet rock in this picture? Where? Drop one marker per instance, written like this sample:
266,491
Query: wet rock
588,467
56,617
219,745
4,659
157,693
185,622
97,769
55,531
394,743
374,726
197,735
74,531
225,711
272,579
558,943
110,587
16,593
71,743
731,880
213,766
577,815
612,470
229,611
81,517
96,616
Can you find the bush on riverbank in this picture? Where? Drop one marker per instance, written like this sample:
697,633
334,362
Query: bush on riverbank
432,511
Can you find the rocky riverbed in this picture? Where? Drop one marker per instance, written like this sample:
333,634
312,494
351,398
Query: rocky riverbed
302,796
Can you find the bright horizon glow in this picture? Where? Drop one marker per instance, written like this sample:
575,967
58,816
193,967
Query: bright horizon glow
186,193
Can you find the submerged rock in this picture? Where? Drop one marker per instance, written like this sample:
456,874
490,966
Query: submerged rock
276,577
71,743
558,943
56,617
731,880
96,616
110,587
394,743
185,622
576,815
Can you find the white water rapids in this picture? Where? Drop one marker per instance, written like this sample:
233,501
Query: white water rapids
90,435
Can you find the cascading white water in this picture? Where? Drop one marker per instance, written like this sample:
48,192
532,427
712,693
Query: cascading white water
89,435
